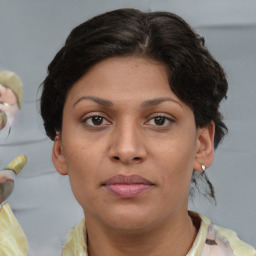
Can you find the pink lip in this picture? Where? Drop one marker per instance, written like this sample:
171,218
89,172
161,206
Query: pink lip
127,186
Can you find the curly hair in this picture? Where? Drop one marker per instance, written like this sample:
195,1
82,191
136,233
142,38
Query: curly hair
194,75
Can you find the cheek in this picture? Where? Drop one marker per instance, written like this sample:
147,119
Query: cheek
175,161
82,161
82,180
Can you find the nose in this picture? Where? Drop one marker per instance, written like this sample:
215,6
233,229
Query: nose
127,145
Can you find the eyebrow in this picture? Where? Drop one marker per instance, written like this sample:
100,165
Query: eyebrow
145,104
100,101
157,101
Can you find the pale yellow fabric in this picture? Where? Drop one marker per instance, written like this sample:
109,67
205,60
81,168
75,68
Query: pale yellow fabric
239,247
75,241
13,241
228,236
76,244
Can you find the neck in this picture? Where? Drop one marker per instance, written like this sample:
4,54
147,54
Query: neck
172,237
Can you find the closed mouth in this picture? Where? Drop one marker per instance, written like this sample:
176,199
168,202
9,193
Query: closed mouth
127,186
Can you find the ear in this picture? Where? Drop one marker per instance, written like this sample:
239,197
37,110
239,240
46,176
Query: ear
58,158
204,147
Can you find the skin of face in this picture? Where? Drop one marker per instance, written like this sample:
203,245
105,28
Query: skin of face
144,129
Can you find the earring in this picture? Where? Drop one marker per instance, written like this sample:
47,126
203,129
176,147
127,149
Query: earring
203,168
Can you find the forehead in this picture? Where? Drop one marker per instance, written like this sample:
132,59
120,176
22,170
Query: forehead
124,77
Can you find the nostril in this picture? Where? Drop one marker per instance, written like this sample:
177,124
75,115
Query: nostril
126,159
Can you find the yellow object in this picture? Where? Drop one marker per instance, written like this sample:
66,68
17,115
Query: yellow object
11,80
17,164
13,241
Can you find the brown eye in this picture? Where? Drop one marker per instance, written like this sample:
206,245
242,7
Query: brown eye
96,121
159,120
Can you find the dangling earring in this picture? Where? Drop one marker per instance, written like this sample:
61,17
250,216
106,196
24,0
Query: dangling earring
203,168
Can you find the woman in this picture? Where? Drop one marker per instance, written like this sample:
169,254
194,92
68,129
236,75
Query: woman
132,104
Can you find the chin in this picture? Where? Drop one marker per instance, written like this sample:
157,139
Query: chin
130,219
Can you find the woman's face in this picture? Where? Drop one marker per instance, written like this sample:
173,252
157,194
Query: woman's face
129,145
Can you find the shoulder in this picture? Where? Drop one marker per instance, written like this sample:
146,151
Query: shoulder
224,241
239,247
217,241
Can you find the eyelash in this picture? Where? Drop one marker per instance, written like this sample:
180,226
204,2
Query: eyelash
103,119
95,116
165,118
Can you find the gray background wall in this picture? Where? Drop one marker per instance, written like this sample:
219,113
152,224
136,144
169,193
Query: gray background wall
32,31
